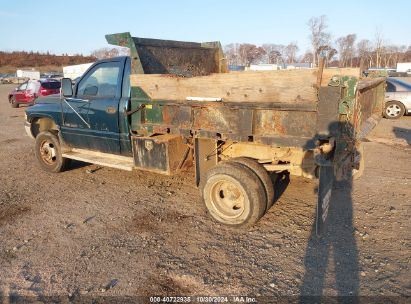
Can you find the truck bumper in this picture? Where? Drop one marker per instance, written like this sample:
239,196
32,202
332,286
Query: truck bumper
27,126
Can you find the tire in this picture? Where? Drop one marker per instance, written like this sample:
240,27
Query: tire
48,153
233,195
394,110
13,102
262,174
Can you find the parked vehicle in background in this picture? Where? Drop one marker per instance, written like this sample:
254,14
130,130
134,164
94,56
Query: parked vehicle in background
30,74
27,92
51,75
75,71
7,78
397,98
55,76
403,67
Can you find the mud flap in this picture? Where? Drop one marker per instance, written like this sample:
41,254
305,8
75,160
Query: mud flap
326,180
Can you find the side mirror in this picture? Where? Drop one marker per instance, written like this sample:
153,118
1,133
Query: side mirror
66,87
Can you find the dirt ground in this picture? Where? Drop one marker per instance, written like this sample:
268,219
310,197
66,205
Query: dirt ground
92,232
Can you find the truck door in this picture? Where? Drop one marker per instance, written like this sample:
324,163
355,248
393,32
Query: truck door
90,118
20,93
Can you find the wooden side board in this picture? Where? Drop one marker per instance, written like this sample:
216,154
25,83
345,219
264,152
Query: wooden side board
288,86
262,86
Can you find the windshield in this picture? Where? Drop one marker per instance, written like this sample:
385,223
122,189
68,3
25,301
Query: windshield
401,85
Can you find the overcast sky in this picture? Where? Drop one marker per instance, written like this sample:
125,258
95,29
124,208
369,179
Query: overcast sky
75,26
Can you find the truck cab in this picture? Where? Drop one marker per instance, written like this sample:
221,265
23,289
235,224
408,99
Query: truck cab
94,116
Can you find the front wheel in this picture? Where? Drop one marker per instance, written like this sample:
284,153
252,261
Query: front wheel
13,102
233,194
394,110
48,153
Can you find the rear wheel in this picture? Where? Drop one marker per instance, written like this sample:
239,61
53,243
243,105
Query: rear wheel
233,195
262,174
13,102
394,110
48,153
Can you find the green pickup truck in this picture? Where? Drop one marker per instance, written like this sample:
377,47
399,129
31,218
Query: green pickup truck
173,104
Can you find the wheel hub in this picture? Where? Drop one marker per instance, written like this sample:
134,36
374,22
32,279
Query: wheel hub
228,199
48,152
393,110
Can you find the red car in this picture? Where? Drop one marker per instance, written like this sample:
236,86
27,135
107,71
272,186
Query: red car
27,92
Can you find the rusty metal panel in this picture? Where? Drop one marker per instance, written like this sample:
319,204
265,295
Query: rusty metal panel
287,141
178,60
156,56
287,123
179,116
206,156
161,154
223,120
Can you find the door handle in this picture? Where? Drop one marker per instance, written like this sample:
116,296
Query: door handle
111,110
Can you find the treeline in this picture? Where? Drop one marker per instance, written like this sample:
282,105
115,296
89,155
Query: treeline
345,51
36,59
246,53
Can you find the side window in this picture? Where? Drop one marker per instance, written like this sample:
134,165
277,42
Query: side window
23,87
33,86
390,87
102,81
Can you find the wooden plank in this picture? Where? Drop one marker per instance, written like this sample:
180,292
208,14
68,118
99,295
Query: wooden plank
297,86
330,72
369,83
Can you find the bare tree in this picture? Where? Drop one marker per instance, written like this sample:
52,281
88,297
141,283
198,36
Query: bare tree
291,52
400,56
106,52
318,35
365,52
378,47
327,52
275,53
308,57
250,53
388,55
232,54
346,49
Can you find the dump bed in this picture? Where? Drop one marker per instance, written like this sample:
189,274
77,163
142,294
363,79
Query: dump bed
184,88
155,56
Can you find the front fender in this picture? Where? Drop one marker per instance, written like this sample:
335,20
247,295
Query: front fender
48,117
50,110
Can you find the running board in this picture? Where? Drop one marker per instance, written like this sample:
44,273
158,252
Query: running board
102,159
